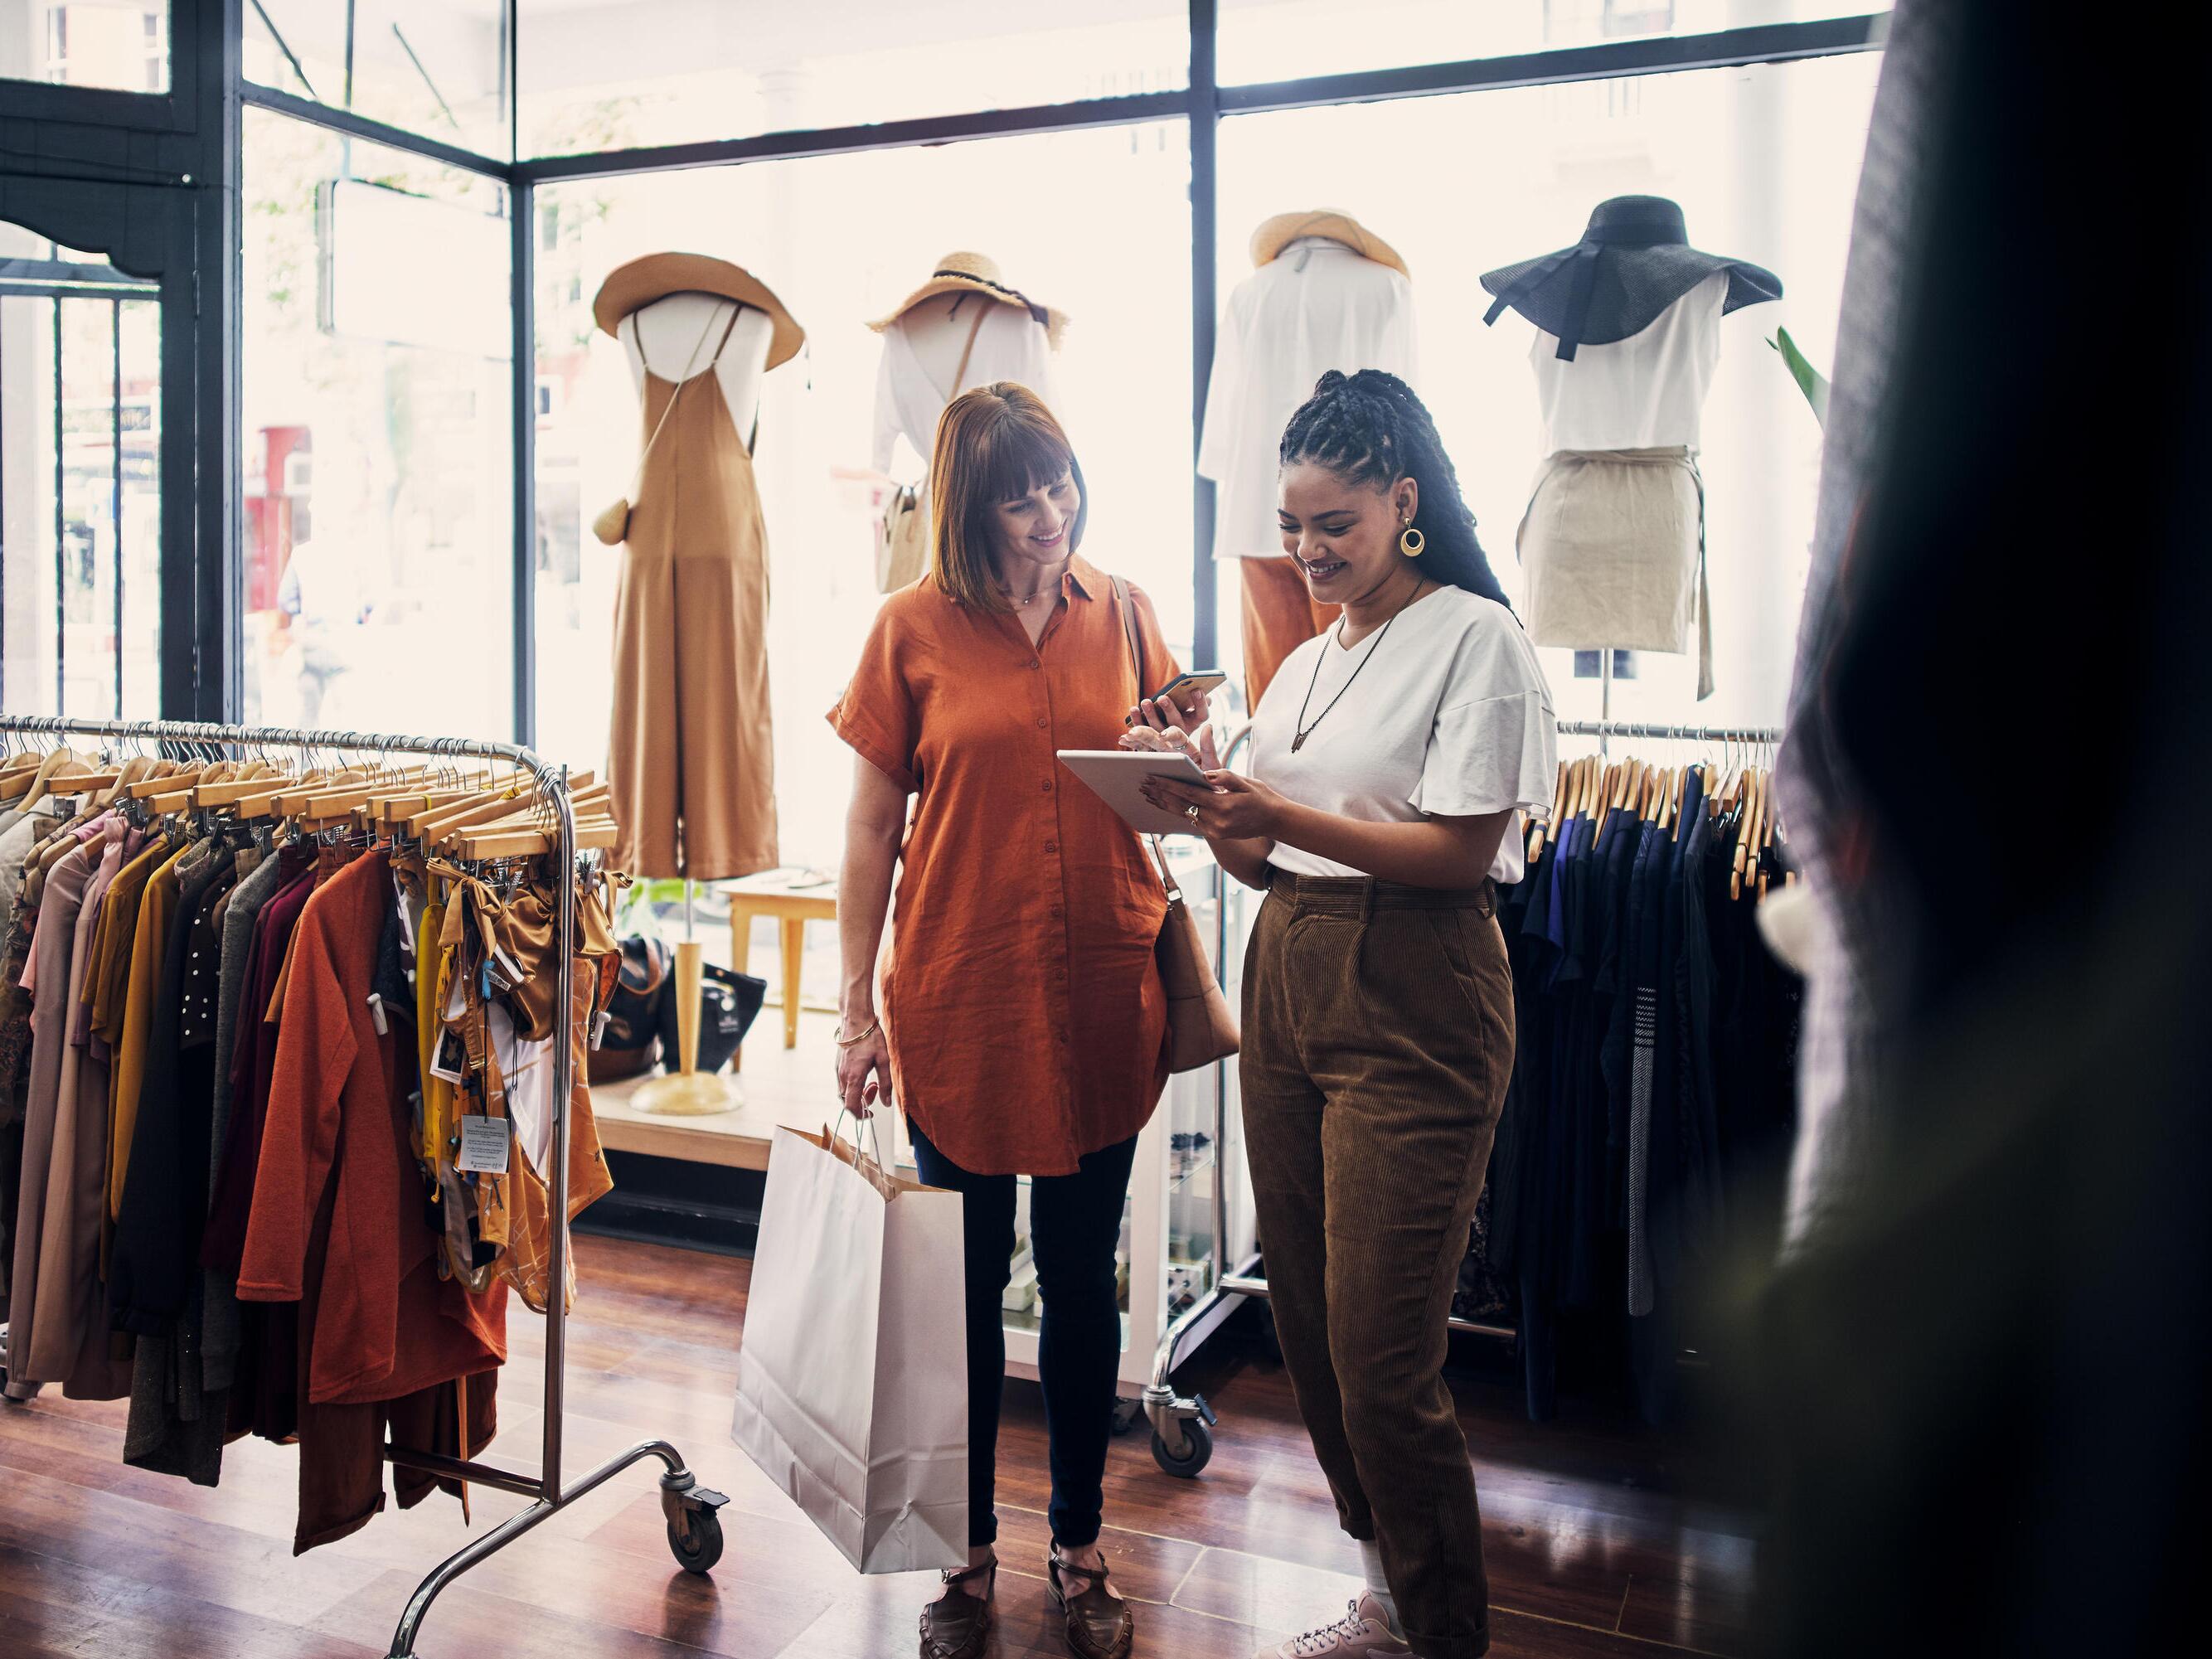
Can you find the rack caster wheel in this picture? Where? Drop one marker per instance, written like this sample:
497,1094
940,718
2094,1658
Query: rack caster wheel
695,1527
703,1547
1198,1442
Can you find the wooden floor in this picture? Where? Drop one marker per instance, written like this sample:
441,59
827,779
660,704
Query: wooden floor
1591,1552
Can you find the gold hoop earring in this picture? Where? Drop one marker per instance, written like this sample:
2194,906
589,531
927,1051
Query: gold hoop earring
1411,543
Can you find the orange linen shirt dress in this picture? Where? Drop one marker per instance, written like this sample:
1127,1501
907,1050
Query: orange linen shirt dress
1025,1016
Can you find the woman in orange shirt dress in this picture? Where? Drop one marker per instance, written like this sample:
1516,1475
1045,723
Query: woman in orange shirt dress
1023,1025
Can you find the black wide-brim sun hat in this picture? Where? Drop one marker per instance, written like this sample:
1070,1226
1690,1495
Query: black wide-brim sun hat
1634,260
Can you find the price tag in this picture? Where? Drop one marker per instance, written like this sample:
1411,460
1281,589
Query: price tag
483,1145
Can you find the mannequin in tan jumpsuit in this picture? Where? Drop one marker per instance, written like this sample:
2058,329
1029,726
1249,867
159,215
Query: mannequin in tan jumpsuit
690,750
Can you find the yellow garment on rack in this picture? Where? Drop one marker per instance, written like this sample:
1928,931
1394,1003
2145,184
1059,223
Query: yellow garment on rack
156,910
433,985
107,979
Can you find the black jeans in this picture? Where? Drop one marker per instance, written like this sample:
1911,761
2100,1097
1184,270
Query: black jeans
1075,1222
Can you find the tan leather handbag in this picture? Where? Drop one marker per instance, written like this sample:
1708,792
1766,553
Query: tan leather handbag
903,533
902,539
1200,1028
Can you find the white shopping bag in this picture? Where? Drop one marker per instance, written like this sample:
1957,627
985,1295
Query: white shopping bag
853,1376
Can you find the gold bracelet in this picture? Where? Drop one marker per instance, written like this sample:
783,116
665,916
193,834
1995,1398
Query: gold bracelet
874,1026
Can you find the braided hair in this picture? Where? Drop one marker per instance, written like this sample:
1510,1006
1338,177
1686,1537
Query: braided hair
1369,428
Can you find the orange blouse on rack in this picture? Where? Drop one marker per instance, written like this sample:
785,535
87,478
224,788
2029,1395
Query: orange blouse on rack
1026,1019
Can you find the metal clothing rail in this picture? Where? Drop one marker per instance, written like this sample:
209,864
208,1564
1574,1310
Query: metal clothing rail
1650,733
1182,1424
695,1532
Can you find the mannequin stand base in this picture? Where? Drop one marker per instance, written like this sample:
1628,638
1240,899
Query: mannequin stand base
689,1094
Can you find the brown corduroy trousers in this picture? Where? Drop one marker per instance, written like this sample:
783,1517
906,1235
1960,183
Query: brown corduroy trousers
1377,1041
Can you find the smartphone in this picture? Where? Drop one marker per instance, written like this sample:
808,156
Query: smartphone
1184,685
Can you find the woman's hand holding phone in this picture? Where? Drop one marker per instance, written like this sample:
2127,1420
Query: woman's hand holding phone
1165,714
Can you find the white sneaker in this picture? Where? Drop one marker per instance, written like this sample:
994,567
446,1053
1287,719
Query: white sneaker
1363,1632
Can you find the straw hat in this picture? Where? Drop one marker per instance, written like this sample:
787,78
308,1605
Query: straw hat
1280,232
657,275
976,273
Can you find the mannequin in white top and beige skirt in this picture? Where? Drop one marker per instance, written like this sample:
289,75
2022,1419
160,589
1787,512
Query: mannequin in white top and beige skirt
1612,544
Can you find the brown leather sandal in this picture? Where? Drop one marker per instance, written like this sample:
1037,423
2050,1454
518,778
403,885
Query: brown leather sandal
1099,1623
957,1625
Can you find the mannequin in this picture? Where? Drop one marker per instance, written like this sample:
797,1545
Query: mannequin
669,329
936,336
965,326
691,743
1627,334
1325,293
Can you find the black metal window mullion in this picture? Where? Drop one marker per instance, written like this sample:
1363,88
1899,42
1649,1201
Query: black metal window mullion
522,208
115,481
1205,132
4,518
61,555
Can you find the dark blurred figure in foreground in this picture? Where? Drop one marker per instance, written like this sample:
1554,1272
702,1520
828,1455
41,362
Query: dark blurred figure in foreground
1987,1355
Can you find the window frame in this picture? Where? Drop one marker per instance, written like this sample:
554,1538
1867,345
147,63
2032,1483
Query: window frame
208,88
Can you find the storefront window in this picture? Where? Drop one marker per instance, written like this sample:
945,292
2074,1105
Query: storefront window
435,67
80,482
1765,162
378,446
1282,40
1079,221
121,46
609,76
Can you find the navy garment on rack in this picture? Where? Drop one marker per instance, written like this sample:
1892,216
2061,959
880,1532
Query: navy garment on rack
1646,1130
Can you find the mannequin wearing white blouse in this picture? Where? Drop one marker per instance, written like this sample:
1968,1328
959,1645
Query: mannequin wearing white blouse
922,351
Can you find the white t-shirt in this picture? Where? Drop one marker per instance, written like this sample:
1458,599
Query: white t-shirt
1451,718
1314,307
1646,392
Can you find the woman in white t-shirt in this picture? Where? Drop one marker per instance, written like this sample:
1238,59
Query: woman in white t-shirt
1392,760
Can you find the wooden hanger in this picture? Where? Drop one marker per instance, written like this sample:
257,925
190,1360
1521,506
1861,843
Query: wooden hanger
32,789
471,839
231,791
1539,831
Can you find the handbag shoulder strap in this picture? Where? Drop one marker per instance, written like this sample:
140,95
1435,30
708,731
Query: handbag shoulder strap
1128,607
1128,604
960,374
637,335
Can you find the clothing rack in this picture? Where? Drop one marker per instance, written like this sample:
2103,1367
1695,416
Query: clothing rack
695,1532
1650,733
1182,1425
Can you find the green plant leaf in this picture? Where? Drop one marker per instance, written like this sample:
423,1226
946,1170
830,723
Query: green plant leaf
1810,381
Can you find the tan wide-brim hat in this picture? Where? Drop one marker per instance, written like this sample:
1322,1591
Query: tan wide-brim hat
976,273
1280,232
657,275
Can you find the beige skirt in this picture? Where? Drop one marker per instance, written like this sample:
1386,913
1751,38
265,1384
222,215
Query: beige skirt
1613,548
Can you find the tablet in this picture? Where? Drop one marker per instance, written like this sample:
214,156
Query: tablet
1117,777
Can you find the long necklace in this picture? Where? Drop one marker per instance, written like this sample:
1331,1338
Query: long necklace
1305,731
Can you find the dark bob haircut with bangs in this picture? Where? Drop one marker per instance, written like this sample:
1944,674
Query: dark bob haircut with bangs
995,443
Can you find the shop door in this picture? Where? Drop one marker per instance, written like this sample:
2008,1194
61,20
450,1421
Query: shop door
80,520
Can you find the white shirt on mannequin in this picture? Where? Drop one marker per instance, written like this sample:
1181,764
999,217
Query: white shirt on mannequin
1646,392
1316,306
665,334
921,353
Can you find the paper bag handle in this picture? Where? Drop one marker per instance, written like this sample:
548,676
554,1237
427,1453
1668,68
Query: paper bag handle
875,1171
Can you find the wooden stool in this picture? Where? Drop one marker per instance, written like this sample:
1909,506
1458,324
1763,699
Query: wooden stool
773,895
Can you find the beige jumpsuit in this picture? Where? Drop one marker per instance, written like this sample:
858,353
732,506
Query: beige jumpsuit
691,758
